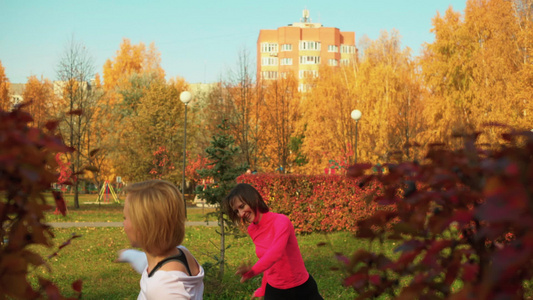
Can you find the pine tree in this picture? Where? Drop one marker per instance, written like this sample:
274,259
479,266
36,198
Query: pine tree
222,172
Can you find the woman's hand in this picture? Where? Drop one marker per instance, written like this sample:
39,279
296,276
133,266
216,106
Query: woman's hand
120,258
137,259
243,269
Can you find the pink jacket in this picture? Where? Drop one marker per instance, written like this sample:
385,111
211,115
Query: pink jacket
279,255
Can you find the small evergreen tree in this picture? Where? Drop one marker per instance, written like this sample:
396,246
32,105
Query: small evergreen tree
221,172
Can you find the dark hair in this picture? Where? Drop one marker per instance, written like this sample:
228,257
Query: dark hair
247,194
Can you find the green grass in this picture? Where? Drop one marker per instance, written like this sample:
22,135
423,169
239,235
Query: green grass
91,259
108,212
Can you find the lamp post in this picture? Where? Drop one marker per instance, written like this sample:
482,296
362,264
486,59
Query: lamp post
356,115
185,97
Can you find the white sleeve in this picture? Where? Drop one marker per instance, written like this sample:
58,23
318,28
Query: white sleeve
137,259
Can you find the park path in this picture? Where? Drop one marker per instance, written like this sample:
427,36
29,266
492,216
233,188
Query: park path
117,224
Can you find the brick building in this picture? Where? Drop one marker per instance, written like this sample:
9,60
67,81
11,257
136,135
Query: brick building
300,48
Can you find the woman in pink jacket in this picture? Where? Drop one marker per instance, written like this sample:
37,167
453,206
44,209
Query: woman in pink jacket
280,260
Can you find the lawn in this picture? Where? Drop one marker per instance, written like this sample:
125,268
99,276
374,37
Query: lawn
91,257
110,211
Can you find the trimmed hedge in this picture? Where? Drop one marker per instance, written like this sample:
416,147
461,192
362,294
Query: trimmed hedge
315,203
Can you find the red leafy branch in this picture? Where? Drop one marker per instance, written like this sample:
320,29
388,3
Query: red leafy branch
27,170
463,216
162,165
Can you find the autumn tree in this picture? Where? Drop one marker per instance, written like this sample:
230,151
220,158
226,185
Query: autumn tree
5,103
499,70
131,59
154,121
280,112
524,87
209,118
407,124
447,73
388,94
241,93
326,118
39,94
75,72
477,69
126,78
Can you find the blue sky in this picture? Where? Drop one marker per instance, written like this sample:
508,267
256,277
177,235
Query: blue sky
199,40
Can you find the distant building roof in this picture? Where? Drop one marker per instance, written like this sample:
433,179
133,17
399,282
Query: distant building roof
16,88
305,21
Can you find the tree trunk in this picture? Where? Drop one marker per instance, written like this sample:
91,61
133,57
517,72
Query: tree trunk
222,245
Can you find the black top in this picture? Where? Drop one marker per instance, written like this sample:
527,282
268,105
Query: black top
180,257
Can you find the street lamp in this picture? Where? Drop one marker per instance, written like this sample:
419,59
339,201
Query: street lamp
185,97
356,115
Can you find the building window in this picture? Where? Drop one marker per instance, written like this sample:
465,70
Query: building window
286,47
309,60
269,61
302,87
268,75
286,62
269,47
348,49
333,62
333,48
345,62
308,73
309,45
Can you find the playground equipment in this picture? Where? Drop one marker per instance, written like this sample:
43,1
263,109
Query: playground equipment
106,191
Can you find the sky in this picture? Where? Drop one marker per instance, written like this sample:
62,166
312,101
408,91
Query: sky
199,40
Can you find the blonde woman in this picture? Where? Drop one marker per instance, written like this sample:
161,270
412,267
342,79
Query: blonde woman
154,220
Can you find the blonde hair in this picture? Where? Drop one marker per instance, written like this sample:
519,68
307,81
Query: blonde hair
157,214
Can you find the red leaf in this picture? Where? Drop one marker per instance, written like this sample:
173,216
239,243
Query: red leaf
51,125
470,272
355,280
343,259
76,285
437,246
375,279
77,112
453,270
357,170
405,260
93,152
462,216
60,202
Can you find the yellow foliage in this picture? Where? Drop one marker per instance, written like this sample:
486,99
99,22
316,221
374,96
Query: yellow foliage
5,103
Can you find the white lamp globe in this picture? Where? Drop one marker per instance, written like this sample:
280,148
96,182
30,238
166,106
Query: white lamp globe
185,97
356,114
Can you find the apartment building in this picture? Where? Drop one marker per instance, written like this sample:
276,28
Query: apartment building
300,48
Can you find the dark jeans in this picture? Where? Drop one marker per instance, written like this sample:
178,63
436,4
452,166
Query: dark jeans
306,291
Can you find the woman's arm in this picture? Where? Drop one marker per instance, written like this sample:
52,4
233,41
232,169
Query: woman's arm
137,259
